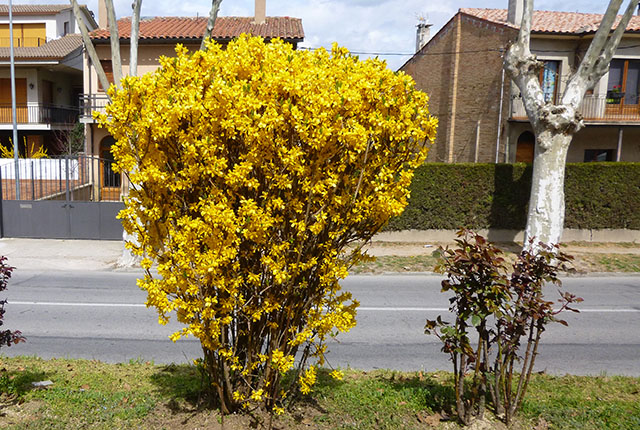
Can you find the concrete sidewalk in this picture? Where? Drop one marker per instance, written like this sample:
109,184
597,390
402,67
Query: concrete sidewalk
57,254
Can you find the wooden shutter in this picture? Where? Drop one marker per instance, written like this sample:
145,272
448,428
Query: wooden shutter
108,70
4,36
34,34
21,100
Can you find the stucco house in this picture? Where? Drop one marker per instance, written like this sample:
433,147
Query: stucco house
158,36
482,118
48,69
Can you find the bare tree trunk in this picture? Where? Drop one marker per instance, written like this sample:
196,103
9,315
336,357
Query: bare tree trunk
213,15
128,259
545,219
135,31
88,45
555,125
114,36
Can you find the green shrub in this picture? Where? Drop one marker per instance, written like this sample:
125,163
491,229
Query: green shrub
478,196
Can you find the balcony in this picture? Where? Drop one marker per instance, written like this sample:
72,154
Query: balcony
595,110
42,114
90,103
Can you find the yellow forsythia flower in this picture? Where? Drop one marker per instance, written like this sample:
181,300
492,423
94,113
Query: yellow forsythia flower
307,380
337,374
254,167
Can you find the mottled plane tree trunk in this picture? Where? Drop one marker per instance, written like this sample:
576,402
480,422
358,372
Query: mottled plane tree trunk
555,124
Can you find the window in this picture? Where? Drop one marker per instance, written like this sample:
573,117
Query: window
598,155
65,28
549,80
108,70
624,76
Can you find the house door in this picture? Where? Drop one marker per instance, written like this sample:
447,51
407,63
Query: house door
109,179
21,100
47,92
525,148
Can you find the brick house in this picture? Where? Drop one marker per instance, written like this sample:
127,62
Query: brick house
48,71
158,36
482,118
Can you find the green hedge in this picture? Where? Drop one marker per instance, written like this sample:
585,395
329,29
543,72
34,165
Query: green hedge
449,196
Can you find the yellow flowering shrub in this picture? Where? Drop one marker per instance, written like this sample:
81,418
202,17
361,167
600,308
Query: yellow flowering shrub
255,166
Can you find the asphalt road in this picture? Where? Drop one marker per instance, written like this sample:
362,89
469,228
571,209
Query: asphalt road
100,315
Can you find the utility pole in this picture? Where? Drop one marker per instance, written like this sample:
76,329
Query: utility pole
13,104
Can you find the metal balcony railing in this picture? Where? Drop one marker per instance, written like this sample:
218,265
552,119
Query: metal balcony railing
38,114
90,103
595,109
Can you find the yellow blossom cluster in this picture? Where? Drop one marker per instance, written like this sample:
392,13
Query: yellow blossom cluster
255,166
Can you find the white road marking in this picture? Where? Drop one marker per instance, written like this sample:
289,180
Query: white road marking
393,309
362,308
97,305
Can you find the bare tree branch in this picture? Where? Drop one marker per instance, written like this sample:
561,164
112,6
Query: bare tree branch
135,30
555,124
114,36
600,38
599,54
88,45
524,37
614,40
213,15
523,67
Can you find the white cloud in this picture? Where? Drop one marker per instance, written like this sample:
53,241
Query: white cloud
371,26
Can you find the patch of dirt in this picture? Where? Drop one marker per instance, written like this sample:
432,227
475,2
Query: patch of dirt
175,416
379,248
13,413
405,249
588,257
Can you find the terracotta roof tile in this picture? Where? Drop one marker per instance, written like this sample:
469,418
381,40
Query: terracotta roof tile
54,50
552,22
226,27
34,9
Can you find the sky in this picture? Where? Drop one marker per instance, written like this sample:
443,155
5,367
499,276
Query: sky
365,27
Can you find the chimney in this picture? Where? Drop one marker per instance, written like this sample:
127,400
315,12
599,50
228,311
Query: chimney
102,14
423,34
515,11
260,12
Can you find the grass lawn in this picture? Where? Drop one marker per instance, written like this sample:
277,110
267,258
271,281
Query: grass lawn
94,395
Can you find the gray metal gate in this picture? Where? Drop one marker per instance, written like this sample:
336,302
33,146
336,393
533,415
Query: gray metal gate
72,197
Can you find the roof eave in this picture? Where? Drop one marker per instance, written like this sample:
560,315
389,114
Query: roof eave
32,60
162,40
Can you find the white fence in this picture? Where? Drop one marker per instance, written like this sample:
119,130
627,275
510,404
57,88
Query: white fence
40,168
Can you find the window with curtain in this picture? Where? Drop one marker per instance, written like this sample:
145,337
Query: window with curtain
549,80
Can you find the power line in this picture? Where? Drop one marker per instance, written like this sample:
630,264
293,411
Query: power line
470,51
405,54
